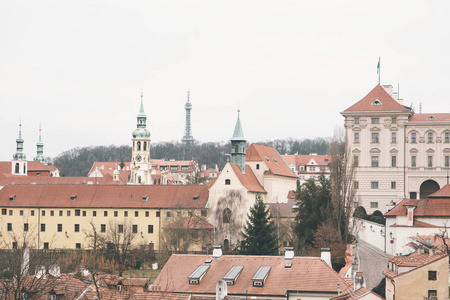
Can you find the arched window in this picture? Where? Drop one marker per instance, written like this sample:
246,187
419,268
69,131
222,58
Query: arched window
236,149
145,146
138,146
226,245
226,215
17,168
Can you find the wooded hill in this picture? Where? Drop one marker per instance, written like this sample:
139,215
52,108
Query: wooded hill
78,161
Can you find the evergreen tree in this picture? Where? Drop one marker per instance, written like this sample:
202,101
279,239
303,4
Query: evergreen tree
259,233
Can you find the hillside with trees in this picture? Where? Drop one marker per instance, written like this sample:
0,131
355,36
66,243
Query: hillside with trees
78,161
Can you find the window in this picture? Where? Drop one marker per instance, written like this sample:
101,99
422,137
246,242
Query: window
32,212
125,213
373,204
393,185
413,161
136,214
150,228
226,215
68,213
94,213
103,228
42,227
413,137
135,228
394,120
78,246
10,212
77,227
52,213
116,213
77,212
173,168
432,294
375,137
356,120
227,181
257,166
17,168
356,184
120,228
147,214
21,213
105,213
60,213
393,161
178,213
430,161
84,213
59,227
375,161
158,214
204,213
25,227
356,161
447,161
374,185
356,137
45,245
375,120
430,137
432,275
168,214
43,213
394,137
447,137
14,245
4,211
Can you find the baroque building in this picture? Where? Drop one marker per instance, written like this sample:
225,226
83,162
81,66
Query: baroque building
397,153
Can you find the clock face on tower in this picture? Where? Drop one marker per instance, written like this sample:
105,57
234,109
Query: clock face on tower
138,158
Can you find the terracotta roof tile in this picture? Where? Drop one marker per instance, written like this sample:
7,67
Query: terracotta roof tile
430,117
414,260
416,223
303,160
6,179
355,295
271,159
378,93
248,180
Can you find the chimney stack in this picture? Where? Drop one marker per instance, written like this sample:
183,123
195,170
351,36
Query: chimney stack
221,290
420,250
325,255
289,253
217,252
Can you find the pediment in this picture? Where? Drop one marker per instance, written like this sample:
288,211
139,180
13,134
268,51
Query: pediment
375,150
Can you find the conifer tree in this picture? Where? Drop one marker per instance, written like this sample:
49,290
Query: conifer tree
259,232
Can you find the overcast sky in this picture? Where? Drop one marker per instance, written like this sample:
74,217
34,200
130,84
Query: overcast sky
291,66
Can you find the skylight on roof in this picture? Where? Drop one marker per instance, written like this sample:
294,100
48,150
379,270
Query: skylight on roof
274,159
198,274
12,197
266,158
73,197
376,102
145,198
233,273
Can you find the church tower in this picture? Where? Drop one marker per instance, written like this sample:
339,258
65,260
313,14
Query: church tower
238,145
187,138
19,163
40,149
141,167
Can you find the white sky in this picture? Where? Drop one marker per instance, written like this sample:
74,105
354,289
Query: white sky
291,66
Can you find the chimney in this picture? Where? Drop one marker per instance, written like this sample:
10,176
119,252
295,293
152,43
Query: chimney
359,281
325,255
432,251
289,253
40,272
55,271
410,214
420,250
221,290
217,252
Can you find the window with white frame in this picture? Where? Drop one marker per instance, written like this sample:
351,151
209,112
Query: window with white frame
375,137
447,161
413,161
430,137
447,137
356,137
413,137
430,161
374,185
374,161
393,161
373,204
394,137
375,120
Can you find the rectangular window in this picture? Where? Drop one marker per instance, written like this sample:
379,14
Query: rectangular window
21,213
116,213
373,204
374,185
430,161
94,213
42,227
59,227
356,184
168,214
204,213
60,213
432,294
356,161
356,120
356,137
394,137
393,161
375,161
43,213
4,211
375,120
135,228
375,137
103,228
77,228
257,166
105,213
413,161
432,275
32,212
120,228
68,213
10,212
447,161
25,226
393,185
84,213
77,212
447,137
45,245
136,214
78,246
430,137
413,195
52,213
394,120
158,214
150,228
413,137
14,245
147,214
227,181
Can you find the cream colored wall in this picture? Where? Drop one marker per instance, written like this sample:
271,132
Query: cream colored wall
415,285
68,238
259,173
389,289
278,187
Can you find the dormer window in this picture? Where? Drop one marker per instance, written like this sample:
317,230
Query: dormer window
73,197
198,274
266,158
260,277
431,118
376,102
232,275
145,198
12,197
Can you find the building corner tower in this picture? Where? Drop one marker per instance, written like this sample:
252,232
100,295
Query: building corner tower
238,145
141,167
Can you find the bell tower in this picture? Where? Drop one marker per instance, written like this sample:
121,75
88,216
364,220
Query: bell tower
40,149
141,167
19,162
238,145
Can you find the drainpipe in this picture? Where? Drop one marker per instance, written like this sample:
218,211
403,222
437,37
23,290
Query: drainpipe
39,227
404,161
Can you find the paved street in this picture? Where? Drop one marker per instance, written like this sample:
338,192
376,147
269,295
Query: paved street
373,263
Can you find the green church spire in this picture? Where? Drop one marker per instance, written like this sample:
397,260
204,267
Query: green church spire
19,155
238,146
40,149
141,131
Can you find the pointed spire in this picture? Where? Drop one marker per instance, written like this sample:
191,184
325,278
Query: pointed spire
40,148
238,134
19,155
141,111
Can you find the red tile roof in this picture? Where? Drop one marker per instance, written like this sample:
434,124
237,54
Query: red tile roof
355,295
248,180
426,117
303,160
414,260
105,196
307,274
6,179
416,223
378,93
271,159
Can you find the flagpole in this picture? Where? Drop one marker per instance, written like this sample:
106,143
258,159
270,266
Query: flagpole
379,70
